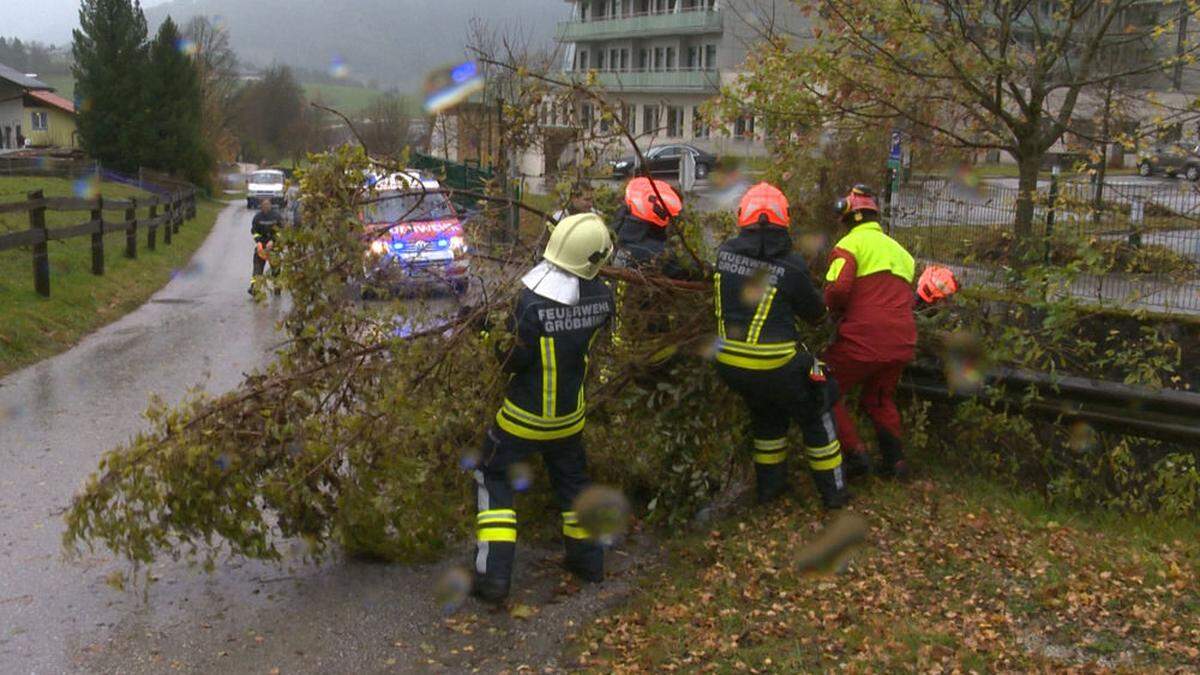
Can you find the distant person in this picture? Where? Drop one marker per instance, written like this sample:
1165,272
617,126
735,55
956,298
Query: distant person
264,228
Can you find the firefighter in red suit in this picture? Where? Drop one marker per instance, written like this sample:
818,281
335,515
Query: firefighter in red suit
870,292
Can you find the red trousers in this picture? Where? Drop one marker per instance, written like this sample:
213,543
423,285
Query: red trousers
878,380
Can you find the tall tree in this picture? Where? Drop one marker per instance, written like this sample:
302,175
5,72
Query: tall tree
110,58
173,103
1017,77
216,64
271,116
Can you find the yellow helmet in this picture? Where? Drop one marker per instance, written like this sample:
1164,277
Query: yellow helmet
580,244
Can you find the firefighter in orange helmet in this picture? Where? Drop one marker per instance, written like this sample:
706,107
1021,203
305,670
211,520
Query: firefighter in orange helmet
642,225
761,286
870,292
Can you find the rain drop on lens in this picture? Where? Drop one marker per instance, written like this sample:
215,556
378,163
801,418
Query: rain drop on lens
469,459
449,86
603,512
1081,437
520,476
452,589
338,68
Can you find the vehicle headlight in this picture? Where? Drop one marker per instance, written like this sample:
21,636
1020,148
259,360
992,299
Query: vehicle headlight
458,246
378,247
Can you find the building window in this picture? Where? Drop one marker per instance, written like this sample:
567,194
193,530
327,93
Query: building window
624,59
743,127
41,120
643,59
700,127
650,119
583,59
710,57
674,122
693,57
670,58
658,59
586,116
630,118
601,59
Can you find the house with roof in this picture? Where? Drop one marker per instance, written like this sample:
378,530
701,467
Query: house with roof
32,115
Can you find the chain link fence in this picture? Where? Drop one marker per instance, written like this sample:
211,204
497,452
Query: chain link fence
1137,243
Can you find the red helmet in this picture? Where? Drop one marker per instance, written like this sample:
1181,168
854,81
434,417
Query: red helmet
859,200
936,283
763,203
645,204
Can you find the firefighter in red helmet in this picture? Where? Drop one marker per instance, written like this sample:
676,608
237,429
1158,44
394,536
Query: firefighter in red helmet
642,226
761,286
870,292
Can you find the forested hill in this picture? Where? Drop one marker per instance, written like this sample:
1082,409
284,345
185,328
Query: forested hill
394,42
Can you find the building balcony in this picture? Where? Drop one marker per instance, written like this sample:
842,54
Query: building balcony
688,22
679,80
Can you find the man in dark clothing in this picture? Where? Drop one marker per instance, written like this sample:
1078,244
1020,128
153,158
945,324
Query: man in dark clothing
642,226
559,314
266,223
760,288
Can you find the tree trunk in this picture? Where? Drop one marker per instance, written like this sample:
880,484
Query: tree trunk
1028,164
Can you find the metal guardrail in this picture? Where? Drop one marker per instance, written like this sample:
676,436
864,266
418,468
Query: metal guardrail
1168,415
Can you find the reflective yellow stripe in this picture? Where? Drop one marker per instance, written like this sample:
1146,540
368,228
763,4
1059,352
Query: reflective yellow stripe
776,457
571,526
760,316
496,516
770,444
826,464
875,252
513,410
835,269
549,378
752,364
824,451
717,301
497,534
521,431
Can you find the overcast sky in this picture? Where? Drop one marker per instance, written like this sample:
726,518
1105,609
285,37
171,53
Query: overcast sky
45,20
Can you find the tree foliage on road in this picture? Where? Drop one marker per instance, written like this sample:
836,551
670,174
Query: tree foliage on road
973,75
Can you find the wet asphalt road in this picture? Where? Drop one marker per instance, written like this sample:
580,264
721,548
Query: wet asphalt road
59,416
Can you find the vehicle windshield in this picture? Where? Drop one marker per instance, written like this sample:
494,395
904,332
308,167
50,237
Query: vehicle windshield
408,207
266,177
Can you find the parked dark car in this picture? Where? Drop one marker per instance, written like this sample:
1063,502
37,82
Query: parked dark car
665,159
1172,159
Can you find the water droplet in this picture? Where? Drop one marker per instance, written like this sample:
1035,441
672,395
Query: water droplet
470,458
1081,437
520,476
829,553
222,461
710,347
186,46
452,589
812,243
964,364
603,512
87,187
338,68
449,86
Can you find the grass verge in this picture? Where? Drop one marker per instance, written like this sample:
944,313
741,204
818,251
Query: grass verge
957,575
34,327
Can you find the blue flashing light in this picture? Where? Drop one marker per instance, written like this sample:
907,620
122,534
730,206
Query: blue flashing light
464,72
443,243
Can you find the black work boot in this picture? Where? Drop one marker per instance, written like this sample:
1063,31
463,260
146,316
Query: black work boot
831,485
584,559
893,464
856,463
490,589
771,482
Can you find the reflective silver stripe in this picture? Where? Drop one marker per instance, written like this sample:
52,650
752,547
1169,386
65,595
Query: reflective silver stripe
830,429
485,502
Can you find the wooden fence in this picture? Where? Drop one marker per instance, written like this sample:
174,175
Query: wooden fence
167,211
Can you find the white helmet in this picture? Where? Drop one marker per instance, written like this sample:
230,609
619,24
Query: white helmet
580,244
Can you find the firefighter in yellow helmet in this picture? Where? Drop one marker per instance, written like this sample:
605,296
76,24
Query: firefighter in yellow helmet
761,286
559,313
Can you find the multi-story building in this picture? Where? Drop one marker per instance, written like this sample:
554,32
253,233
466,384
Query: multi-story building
661,60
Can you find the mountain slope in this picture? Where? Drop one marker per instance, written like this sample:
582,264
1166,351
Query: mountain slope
394,42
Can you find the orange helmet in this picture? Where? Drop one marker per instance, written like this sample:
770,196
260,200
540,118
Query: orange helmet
763,203
645,203
936,283
859,199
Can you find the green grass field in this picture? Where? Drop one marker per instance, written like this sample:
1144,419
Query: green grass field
349,98
956,575
34,327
